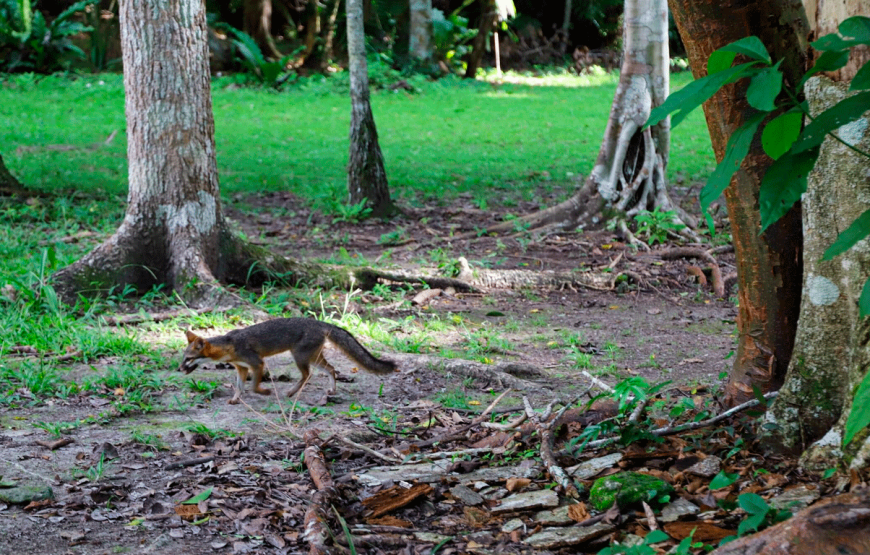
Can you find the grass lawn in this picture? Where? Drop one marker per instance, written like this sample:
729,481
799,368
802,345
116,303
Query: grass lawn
503,141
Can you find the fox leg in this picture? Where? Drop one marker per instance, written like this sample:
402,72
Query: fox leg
305,370
239,384
258,377
323,363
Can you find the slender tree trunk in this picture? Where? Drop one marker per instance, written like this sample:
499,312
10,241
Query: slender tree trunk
174,231
420,46
566,25
769,265
258,24
366,177
488,16
329,40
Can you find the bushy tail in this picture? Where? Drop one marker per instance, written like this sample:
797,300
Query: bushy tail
354,350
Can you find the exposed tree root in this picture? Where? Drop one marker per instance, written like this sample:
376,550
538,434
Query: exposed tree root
692,252
10,186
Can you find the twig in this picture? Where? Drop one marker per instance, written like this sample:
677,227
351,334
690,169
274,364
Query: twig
671,430
651,521
365,449
141,317
188,462
459,434
597,382
448,454
688,252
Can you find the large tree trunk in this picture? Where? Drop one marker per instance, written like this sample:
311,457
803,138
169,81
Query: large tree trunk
832,352
174,232
258,24
366,177
769,265
420,45
488,16
629,173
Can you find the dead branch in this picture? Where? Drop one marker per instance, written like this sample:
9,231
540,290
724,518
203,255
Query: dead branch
140,317
367,450
188,462
316,516
547,455
689,426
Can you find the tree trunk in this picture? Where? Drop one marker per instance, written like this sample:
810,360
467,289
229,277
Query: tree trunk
420,45
768,264
366,177
488,16
329,39
8,184
832,351
566,27
174,232
629,173
258,24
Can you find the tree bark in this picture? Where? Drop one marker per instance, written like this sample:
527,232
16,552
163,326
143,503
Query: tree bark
420,45
488,16
8,184
366,177
174,232
832,349
629,173
258,24
768,264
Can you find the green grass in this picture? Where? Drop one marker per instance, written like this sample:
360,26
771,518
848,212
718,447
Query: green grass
453,137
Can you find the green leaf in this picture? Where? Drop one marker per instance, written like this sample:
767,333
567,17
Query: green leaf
655,536
749,46
831,60
859,417
735,152
764,88
864,300
845,111
852,32
723,480
720,60
781,132
856,29
861,80
783,184
199,497
753,504
828,473
856,231
683,101
750,524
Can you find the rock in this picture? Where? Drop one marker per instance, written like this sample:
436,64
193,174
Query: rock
673,511
795,499
590,468
466,495
21,495
512,524
627,489
554,517
552,538
526,501
706,468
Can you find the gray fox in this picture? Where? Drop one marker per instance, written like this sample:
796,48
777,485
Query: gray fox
304,337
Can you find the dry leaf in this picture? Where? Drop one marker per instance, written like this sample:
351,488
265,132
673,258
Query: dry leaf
578,512
517,484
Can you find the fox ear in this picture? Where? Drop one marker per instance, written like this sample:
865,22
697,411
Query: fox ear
191,337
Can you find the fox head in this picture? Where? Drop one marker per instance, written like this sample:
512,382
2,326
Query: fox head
194,353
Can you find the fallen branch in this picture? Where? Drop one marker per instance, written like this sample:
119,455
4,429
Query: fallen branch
316,531
188,462
547,441
689,426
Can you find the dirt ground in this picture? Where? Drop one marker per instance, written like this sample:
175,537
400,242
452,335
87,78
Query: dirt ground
669,328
